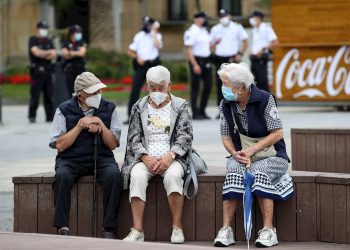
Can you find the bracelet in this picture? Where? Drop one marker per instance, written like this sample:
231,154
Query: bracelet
173,155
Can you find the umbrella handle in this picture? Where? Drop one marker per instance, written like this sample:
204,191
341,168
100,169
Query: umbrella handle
248,244
249,164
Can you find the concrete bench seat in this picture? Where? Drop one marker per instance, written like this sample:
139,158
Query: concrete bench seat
319,211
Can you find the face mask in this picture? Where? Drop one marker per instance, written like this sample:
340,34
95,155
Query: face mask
228,94
93,101
225,20
43,32
78,36
252,21
158,97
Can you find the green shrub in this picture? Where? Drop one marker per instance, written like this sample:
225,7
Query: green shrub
178,71
109,64
17,69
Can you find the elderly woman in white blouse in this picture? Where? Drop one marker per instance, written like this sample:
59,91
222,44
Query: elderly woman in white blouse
159,137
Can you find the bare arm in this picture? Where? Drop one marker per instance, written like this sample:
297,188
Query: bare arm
244,46
131,53
228,144
271,139
66,140
274,44
108,138
67,54
196,68
42,53
156,40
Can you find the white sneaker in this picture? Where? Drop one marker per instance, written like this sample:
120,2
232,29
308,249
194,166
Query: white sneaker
135,235
224,237
177,236
267,238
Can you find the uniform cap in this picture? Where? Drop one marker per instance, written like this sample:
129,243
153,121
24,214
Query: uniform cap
42,25
148,20
257,13
200,14
74,28
223,13
88,82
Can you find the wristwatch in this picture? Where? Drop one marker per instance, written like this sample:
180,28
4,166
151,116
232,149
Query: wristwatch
173,155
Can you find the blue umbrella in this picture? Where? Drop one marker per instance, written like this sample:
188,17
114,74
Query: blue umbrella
248,180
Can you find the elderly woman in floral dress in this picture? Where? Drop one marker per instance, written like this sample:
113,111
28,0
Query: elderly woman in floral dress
255,113
159,137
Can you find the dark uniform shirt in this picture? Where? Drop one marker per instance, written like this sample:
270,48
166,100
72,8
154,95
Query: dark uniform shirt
43,43
74,46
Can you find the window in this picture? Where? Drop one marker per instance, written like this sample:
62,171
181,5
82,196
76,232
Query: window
177,10
233,6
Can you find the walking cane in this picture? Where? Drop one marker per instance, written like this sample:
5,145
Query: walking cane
94,195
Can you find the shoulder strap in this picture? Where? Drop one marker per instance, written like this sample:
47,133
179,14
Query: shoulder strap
191,176
234,119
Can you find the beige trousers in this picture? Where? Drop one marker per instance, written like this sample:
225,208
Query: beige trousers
140,175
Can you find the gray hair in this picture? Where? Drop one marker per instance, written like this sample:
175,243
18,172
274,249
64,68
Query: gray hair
158,74
237,73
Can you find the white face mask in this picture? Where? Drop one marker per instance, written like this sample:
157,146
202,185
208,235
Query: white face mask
93,101
158,97
43,32
252,21
225,20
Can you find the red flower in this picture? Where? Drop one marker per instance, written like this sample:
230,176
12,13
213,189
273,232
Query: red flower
126,80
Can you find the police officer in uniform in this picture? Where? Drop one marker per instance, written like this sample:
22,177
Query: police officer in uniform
264,40
41,53
73,51
229,41
197,42
144,51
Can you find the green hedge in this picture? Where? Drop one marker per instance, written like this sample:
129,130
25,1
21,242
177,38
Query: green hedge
113,64
108,64
17,69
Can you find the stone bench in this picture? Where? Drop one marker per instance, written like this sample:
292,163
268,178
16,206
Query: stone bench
323,150
319,211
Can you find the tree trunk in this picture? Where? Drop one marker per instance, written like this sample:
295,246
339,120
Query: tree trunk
101,25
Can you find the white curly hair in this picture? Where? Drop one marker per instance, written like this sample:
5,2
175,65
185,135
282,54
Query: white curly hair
237,73
158,74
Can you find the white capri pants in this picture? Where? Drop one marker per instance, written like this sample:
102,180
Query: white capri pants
140,175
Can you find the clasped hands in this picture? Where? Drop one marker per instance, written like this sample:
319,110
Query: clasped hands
244,156
157,165
91,123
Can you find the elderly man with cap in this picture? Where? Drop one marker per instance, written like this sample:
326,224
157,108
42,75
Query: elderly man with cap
73,51
229,41
197,42
41,53
144,51
74,127
264,41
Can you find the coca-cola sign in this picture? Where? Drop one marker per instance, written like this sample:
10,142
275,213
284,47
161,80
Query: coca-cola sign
320,73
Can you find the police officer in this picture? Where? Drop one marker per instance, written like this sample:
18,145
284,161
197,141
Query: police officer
41,53
229,41
264,40
73,51
144,51
197,42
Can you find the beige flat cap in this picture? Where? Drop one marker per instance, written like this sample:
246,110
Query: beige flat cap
88,82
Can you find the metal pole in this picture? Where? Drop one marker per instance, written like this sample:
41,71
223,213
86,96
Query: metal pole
94,191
